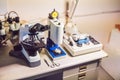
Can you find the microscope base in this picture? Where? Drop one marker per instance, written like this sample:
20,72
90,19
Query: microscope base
19,54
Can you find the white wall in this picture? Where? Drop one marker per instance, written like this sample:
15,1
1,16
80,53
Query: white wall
3,7
32,9
96,17
98,26
95,6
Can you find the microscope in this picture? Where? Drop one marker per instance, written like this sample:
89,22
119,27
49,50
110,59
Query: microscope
14,25
30,44
55,37
2,34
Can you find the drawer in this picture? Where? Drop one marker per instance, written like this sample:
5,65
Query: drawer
87,67
89,75
82,72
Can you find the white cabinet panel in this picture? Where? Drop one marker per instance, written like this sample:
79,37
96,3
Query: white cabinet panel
74,77
83,72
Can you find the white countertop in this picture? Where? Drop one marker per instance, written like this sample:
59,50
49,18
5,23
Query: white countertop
12,68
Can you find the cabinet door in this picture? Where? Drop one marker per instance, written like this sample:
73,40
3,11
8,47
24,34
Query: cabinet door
56,76
70,72
74,77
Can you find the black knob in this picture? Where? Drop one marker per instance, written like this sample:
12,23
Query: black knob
17,19
10,20
58,23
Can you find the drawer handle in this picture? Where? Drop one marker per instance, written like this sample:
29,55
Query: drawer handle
81,75
81,78
82,68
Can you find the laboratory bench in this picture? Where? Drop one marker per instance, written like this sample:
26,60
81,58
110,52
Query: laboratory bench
83,67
